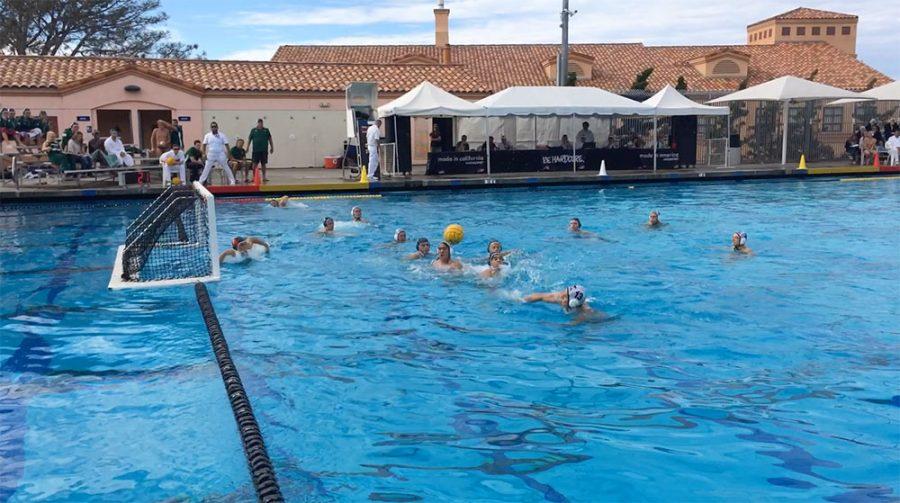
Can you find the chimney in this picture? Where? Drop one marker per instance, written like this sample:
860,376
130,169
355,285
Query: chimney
442,32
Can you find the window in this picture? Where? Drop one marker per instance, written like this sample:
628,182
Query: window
769,32
829,30
801,31
864,112
727,67
816,31
845,30
833,120
786,31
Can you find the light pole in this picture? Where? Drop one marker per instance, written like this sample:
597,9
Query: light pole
562,59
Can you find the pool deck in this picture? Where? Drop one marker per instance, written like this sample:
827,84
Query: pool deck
322,181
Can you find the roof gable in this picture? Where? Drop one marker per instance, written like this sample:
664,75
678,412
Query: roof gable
806,13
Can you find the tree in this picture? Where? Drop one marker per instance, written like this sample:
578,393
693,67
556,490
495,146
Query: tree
642,79
128,28
681,85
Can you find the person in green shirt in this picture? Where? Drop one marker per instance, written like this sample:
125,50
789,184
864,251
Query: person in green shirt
7,127
54,152
239,160
28,128
194,162
261,145
69,132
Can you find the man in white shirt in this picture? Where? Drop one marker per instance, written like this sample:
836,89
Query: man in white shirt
585,138
215,148
373,136
893,146
174,158
115,151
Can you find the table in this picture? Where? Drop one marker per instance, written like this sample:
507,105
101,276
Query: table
523,161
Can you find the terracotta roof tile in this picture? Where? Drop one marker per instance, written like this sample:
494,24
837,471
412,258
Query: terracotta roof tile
615,65
807,13
55,72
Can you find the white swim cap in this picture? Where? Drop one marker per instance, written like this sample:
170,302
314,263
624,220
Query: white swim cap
354,209
743,236
576,296
397,233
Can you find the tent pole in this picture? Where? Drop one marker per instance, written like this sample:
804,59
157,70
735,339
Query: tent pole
534,126
654,143
727,136
784,132
487,146
397,143
572,140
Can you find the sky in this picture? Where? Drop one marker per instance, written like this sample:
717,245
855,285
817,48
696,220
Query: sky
230,29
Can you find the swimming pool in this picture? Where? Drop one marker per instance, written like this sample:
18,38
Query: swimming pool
374,378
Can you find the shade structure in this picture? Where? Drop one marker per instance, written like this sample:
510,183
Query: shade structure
428,100
887,92
559,101
786,90
668,102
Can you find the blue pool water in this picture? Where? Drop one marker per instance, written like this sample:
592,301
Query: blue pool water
717,376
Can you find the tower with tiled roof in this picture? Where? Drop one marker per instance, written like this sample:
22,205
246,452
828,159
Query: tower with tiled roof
806,25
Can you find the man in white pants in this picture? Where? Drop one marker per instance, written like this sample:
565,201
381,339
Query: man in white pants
893,146
373,136
215,148
115,151
177,161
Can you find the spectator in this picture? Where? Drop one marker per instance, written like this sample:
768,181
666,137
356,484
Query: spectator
44,121
435,138
28,128
7,127
69,132
879,139
115,151
564,143
161,137
52,147
261,145
176,135
98,152
851,147
869,148
489,142
195,160
76,151
585,138
239,162
504,143
893,146
463,144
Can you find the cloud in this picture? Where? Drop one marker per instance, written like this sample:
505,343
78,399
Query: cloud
263,53
658,22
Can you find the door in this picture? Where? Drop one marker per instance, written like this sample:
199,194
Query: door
118,119
147,120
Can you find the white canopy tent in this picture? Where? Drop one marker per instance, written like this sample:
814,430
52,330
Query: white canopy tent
669,102
887,92
428,100
786,90
554,101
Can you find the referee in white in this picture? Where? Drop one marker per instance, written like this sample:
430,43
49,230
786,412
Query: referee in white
215,148
373,136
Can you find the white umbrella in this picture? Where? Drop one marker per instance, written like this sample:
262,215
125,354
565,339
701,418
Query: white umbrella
669,102
887,92
786,90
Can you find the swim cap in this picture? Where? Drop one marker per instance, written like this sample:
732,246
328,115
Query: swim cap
743,236
490,243
495,254
236,241
325,221
354,209
397,233
576,296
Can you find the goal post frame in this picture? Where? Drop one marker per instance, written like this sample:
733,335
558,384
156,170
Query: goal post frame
116,282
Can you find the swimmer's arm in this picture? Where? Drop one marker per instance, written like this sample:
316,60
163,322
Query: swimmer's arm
540,297
413,256
260,242
225,254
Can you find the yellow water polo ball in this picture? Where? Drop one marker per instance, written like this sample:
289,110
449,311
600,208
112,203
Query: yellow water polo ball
453,234
171,161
